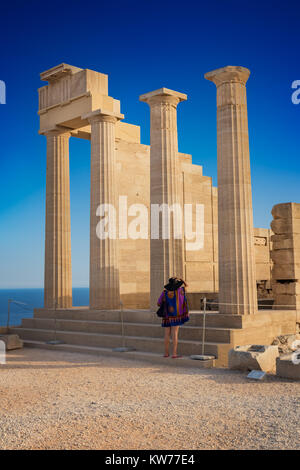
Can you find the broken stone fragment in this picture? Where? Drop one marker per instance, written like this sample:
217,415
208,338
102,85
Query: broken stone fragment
253,357
11,342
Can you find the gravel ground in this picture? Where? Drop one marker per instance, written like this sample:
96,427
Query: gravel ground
58,400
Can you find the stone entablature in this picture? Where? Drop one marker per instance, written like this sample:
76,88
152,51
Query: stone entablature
71,94
68,83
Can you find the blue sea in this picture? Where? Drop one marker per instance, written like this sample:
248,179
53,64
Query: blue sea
28,300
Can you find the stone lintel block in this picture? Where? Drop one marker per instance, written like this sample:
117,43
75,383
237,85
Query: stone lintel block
230,73
283,243
286,271
288,245
286,210
253,357
163,92
287,300
285,225
281,237
290,288
286,368
285,256
11,341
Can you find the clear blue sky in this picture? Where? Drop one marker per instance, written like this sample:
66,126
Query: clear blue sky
142,46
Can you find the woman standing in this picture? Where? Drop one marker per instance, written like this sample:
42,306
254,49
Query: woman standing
175,312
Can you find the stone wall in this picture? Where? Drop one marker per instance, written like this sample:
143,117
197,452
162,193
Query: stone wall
286,256
201,266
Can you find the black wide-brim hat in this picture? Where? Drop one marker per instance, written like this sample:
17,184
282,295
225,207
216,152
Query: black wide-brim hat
173,284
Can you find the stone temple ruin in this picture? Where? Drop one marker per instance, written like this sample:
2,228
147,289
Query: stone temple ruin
236,265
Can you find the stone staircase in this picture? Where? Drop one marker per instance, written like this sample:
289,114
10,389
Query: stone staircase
99,332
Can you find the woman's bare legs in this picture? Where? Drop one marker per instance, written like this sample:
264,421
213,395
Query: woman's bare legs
175,331
167,339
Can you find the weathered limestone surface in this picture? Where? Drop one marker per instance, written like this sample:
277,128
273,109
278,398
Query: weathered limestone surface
253,357
11,341
286,256
58,272
287,369
263,262
166,255
237,279
104,262
133,169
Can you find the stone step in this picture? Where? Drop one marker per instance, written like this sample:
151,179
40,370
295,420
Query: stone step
187,332
153,358
138,316
156,345
84,313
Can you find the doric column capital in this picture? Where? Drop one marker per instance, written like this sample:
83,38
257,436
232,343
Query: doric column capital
163,95
102,115
229,74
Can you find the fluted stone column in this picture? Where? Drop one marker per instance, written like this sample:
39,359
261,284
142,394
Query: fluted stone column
237,279
166,255
104,265
58,272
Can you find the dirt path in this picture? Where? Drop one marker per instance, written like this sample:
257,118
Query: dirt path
57,400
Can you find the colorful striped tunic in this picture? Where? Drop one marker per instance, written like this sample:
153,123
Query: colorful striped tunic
176,307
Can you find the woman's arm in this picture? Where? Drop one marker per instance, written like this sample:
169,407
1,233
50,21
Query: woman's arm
184,283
